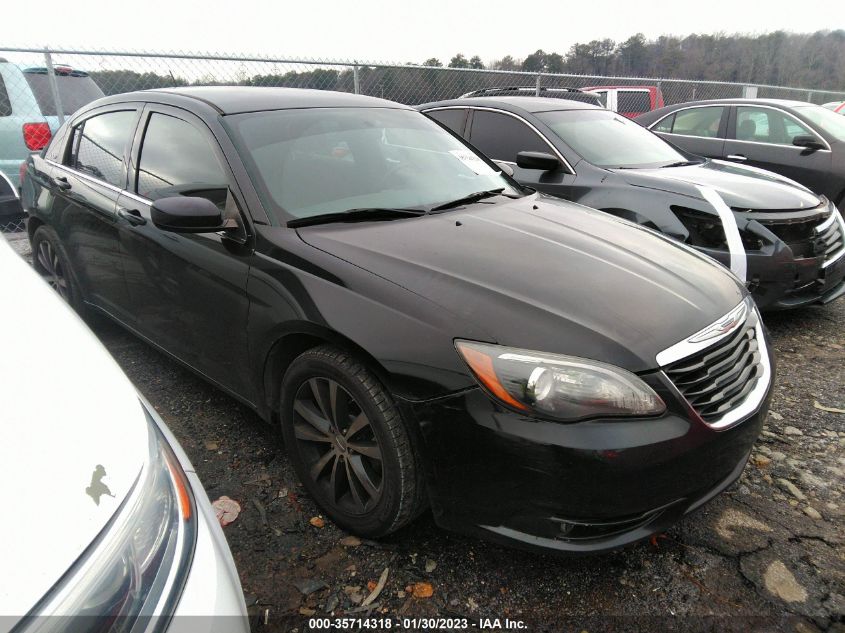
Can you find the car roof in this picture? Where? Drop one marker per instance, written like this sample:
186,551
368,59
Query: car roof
529,104
238,99
738,100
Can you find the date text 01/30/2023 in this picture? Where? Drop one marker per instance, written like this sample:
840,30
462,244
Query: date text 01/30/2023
416,624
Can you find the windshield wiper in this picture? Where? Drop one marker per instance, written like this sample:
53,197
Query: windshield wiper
680,163
473,197
363,214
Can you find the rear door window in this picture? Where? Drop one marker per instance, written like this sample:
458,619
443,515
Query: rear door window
74,92
702,122
453,118
99,145
502,137
5,103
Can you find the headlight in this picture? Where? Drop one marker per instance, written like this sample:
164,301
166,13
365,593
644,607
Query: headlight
563,387
134,572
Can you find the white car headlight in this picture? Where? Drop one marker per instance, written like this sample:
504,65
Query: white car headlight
558,386
136,567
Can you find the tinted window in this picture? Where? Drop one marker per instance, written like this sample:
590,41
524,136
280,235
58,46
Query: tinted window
5,104
74,92
99,144
633,101
452,119
608,139
764,125
702,122
178,159
502,137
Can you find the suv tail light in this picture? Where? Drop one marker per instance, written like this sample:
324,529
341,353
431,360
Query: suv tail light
36,135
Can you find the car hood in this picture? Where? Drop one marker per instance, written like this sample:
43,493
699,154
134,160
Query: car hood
740,186
544,274
67,409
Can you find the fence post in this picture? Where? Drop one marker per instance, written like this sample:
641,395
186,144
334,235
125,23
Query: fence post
809,96
357,86
537,89
54,87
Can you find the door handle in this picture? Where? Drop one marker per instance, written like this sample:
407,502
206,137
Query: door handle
132,216
738,157
61,183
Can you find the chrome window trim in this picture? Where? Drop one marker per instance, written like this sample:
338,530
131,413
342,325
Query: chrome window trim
11,186
755,398
97,181
518,118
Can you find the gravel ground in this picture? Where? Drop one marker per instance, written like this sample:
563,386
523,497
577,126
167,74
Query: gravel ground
767,555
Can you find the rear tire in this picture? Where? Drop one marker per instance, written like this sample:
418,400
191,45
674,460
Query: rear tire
348,443
50,260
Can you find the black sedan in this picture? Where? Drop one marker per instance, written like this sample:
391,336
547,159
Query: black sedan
799,140
424,330
785,242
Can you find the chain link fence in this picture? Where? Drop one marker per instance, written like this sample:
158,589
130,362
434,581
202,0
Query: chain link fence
39,87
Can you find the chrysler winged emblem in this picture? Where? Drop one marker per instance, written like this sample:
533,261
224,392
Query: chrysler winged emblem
724,325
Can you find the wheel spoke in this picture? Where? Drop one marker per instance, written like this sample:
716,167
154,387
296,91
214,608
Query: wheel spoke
360,421
333,480
320,396
320,466
369,449
312,417
310,434
361,475
44,257
353,488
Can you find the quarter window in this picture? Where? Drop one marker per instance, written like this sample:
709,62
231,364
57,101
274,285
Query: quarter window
703,122
99,144
178,160
502,137
764,125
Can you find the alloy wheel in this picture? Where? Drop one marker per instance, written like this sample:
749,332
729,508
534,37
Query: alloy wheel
338,444
51,268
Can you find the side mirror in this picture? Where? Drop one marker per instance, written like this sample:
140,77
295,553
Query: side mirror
809,141
537,160
504,167
187,214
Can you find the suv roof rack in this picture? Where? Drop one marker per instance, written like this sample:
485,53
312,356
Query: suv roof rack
58,69
532,89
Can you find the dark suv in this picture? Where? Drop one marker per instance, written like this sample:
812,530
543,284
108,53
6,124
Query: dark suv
353,272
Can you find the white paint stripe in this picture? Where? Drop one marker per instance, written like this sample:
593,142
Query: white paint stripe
739,262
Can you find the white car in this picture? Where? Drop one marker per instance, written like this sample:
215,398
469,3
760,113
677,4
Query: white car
103,514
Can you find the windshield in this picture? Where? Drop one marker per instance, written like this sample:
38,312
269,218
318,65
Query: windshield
827,120
308,162
74,92
607,139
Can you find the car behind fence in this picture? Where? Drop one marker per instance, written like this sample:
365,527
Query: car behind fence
124,71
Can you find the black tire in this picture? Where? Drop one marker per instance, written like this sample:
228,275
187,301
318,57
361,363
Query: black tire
366,496
51,262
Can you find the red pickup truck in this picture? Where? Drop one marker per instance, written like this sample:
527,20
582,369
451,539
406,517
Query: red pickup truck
630,101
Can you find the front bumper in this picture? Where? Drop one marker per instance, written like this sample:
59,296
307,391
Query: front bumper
779,281
212,599
581,487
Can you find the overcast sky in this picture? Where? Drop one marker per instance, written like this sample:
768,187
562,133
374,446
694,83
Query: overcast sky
389,30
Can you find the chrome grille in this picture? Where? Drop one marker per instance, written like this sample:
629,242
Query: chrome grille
726,379
830,236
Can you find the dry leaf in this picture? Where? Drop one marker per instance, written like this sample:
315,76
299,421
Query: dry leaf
821,407
376,590
317,522
422,590
211,445
350,541
371,584
226,509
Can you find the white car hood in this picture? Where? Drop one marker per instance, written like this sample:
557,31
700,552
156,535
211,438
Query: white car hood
65,410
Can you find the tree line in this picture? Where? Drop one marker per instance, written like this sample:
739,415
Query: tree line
812,60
